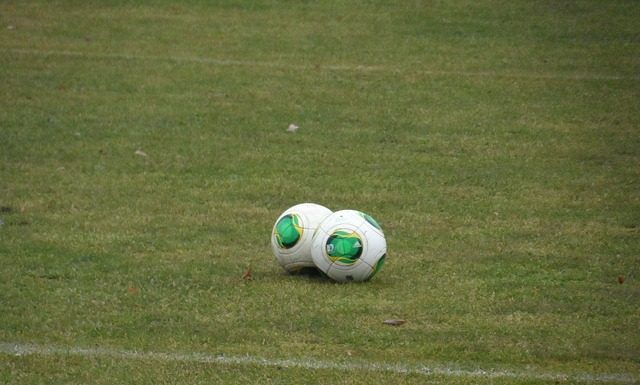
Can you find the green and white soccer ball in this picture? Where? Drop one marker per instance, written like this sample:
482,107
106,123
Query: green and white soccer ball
293,233
349,245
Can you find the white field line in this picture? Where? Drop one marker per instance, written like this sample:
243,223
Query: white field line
25,349
305,67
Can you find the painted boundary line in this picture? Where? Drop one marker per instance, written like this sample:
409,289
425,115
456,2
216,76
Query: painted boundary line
305,67
26,349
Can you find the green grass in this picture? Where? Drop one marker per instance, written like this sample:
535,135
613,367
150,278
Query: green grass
496,142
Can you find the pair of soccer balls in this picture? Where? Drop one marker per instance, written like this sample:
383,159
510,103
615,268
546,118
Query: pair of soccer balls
346,245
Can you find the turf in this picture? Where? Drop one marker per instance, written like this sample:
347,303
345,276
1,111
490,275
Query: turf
144,157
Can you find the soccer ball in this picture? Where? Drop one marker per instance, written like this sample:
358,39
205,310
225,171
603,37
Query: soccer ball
349,245
292,235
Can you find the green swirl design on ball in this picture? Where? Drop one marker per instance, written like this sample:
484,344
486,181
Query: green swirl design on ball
344,247
371,221
378,266
288,231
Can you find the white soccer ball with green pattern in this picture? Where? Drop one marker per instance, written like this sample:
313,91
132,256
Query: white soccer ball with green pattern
349,245
293,233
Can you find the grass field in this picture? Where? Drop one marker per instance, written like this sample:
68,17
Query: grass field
144,157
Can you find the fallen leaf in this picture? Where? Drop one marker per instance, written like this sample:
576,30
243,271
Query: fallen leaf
132,290
292,128
394,322
621,279
247,276
141,153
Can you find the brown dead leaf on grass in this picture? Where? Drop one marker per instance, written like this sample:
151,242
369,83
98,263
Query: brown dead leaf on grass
394,322
247,276
132,290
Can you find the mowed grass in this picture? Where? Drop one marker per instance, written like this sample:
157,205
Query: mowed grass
144,158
